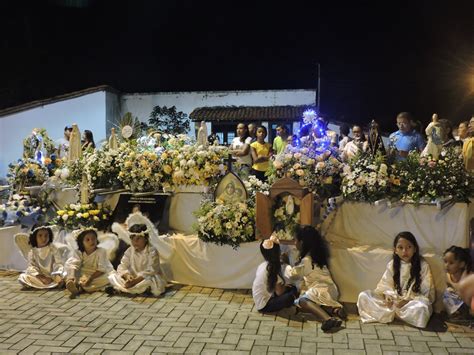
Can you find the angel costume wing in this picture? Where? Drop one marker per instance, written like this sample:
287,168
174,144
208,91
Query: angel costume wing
121,232
139,218
22,243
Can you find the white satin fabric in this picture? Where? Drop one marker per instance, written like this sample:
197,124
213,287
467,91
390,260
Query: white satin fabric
417,312
44,261
316,283
145,264
81,264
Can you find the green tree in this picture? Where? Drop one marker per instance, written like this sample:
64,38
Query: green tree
168,120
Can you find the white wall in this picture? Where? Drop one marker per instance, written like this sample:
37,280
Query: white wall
141,105
87,111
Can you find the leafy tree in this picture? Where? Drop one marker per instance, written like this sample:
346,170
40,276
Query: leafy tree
168,120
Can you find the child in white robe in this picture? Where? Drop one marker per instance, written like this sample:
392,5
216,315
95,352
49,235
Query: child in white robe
405,291
457,262
319,292
45,265
139,270
88,268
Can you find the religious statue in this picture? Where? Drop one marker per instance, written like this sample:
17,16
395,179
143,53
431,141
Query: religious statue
113,143
468,148
202,135
435,133
375,139
75,148
33,146
84,190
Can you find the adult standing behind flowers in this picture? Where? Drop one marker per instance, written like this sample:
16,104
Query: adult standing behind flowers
468,147
279,143
356,145
63,143
406,138
261,153
240,150
88,140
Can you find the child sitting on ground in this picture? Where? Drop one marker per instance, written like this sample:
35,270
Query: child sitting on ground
45,265
139,270
269,291
405,290
88,268
457,262
320,291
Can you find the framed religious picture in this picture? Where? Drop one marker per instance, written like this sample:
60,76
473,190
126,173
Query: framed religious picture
231,189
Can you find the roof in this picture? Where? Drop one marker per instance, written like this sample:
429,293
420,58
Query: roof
51,100
249,113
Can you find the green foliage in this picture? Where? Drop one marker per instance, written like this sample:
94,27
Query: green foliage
168,120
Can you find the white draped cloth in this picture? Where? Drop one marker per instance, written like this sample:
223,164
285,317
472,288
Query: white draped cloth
83,264
417,312
145,263
44,261
316,283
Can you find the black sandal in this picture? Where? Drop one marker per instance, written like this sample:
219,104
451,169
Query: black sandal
331,323
340,312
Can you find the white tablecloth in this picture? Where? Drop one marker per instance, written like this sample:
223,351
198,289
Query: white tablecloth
10,257
188,260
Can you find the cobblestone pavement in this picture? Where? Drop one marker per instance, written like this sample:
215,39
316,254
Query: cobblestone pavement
193,320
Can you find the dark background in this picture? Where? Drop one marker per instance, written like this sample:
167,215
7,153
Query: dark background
377,58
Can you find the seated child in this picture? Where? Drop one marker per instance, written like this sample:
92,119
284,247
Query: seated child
88,268
139,270
269,291
45,265
457,262
405,290
320,291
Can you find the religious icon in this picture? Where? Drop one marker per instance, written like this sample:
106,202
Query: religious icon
231,189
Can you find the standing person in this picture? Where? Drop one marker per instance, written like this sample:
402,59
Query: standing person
320,293
252,127
344,137
269,291
261,153
406,138
280,141
462,131
63,143
240,150
88,140
406,289
356,145
468,147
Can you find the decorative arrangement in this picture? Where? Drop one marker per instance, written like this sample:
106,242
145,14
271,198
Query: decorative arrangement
75,216
26,172
21,209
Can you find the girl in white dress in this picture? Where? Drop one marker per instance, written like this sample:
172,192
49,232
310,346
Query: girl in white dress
269,291
320,293
406,289
457,262
45,265
88,268
139,270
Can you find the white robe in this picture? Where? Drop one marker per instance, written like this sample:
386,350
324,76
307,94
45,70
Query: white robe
81,264
417,312
44,261
317,283
145,264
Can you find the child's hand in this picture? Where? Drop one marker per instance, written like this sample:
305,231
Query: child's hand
284,259
127,277
130,283
84,280
388,301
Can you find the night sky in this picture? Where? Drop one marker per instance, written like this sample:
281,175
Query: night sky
377,58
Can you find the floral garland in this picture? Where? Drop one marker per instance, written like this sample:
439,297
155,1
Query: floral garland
102,168
75,216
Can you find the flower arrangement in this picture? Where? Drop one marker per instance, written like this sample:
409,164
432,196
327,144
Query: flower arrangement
423,179
192,165
26,172
52,163
75,216
320,174
101,168
366,178
36,142
141,172
20,209
231,223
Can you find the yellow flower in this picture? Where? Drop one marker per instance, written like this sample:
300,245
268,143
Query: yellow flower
164,156
94,212
85,215
70,213
61,212
143,163
104,216
167,169
328,180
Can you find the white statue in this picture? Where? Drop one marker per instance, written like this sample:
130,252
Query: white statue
202,135
75,148
84,190
113,144
435,133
